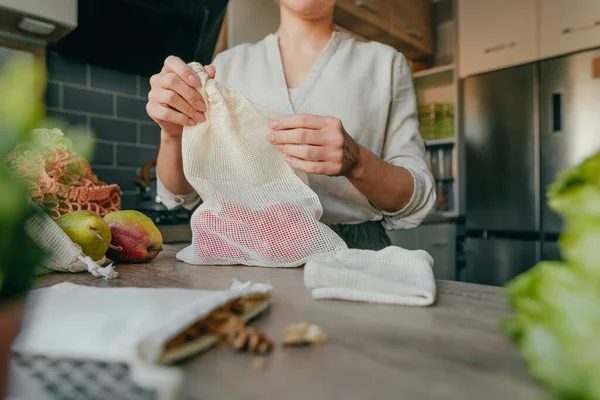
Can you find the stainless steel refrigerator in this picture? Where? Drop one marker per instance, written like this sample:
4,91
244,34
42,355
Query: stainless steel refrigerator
523,125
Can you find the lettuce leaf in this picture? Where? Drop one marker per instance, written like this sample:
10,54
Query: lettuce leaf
556,319
576,191
557,327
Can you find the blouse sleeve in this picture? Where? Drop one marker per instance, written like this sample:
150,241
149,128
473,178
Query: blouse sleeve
171,200
405,148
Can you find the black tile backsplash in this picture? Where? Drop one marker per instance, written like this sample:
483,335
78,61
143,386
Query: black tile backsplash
103,154
68,117
53,95
114,81
132,156
113,105
128,201
66,70
123,177
128,107
85,100
114,130
144,86
150,134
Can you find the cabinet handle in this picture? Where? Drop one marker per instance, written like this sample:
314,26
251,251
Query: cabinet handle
501,47
415,33
556,112
568,30
366,5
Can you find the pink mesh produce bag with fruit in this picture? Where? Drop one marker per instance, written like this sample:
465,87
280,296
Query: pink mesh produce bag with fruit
61,180
256,209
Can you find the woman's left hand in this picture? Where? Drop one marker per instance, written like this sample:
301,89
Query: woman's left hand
315,144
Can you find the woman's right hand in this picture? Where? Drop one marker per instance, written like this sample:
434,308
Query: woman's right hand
174,101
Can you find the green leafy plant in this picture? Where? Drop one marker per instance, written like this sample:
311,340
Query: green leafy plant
21,109
556,323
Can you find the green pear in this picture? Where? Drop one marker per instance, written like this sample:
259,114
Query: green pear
88,230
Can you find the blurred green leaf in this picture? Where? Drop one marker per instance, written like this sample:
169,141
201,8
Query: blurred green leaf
556,320
21,109
576,191
22,85
76,138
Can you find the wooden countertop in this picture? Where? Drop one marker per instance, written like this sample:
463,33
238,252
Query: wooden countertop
452,350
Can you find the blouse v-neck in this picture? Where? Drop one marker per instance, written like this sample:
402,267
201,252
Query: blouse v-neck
294,104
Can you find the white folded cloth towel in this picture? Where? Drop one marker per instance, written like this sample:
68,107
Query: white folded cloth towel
393,276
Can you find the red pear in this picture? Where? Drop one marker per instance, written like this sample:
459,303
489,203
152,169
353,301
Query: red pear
135,234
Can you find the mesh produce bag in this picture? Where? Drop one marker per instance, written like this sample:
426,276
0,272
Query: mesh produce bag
62,181
256,209
62,253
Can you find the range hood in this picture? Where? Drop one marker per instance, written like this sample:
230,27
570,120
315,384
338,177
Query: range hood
136,36
37,22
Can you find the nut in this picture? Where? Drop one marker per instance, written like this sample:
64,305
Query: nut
303,333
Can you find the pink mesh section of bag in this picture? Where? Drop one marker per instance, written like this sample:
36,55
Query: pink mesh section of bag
61,181
256,209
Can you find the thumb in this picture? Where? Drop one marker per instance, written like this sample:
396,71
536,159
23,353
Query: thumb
210,70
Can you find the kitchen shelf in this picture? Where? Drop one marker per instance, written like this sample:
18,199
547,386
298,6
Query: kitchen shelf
433,71
440,142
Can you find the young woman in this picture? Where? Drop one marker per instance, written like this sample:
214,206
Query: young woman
349,120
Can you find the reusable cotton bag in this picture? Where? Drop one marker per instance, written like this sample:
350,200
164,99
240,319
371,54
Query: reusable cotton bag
256,209
140,328
62,254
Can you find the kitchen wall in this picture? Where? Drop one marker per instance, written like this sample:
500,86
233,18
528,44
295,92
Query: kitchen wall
113,105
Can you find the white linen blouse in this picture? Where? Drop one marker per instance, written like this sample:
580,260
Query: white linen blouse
368,86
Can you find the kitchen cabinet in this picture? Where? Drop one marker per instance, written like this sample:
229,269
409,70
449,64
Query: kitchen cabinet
496,34
403,24
412,20
438,239
568,26
496,261
405,238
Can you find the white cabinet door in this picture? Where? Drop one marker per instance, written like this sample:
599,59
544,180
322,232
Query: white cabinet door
495,34
568,25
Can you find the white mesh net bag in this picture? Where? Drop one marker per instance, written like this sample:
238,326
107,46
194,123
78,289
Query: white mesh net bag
256,209
62,253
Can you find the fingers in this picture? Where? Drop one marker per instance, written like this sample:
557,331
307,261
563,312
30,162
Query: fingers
313,167
159,112
307,152
306,121
298,136
173,100
173,82
211,71
184,71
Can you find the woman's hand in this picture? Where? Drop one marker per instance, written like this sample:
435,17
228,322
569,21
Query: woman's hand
173,101
315,144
